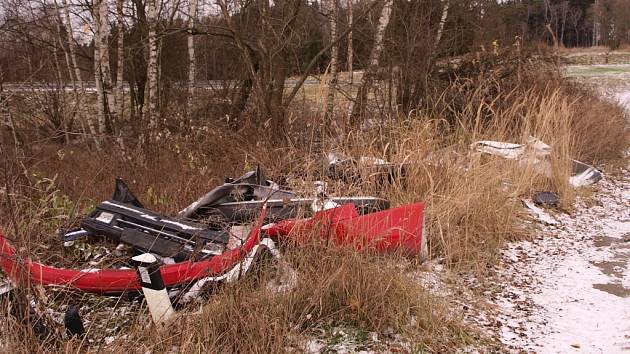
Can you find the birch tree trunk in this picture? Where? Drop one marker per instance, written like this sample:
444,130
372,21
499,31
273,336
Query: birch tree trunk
120,60
596,23
151,103
440,31
103,15
67,121
192,63
358,105
332,83
60,126
77,74
350,48
98,81
565,7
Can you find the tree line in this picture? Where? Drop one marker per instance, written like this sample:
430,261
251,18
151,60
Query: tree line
142,56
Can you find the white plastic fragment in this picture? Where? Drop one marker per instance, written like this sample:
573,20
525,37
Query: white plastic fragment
535,153
540,214
153,288
506,150
587,177
242,268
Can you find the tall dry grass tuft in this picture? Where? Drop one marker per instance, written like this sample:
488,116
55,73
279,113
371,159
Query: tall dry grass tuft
474,200
335,289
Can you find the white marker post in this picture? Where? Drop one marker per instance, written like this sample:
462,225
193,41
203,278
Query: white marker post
153,288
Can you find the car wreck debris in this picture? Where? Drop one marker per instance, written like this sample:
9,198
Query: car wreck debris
535,153
239,201
394,230
24,310
153,288
151,232
584,175
73,322
538,213
347,169
546,199
216,240
117,281
241,269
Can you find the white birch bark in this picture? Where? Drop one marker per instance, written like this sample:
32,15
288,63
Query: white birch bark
192,63
350,44
151,103
332,83
98,77
63,47
77,74
103,15
63,125
120,60
66,119
440,31
358,105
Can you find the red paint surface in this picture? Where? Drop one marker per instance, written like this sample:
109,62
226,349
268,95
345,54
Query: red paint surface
393,230
120,280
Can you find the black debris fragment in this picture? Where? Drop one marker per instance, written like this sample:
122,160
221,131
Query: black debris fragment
123,194
73,322
148,231
546,199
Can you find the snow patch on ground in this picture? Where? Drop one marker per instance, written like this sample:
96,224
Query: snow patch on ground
568,290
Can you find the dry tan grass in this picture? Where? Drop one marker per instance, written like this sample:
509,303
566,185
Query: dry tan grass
336,288
473,204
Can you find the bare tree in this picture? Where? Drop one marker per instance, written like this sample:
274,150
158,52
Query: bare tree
106,74
78,77
440,30
596,23
564,9
120,60
350,44
192,63
332,13
67,120
152,93
98,77
360,101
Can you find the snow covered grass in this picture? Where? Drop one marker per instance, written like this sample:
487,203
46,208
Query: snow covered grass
567,290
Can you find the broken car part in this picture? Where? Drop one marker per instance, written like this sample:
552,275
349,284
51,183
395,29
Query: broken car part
400,229
123,194
153,288
350,170
116,281
24,311
583,174
239,201
546,199
535,153
151,232
73,322
538,213
241,269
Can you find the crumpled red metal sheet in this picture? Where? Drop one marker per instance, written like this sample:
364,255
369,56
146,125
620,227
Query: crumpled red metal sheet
397,230
115,281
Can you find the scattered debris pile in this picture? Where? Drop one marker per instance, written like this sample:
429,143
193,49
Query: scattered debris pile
536,154
172,260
